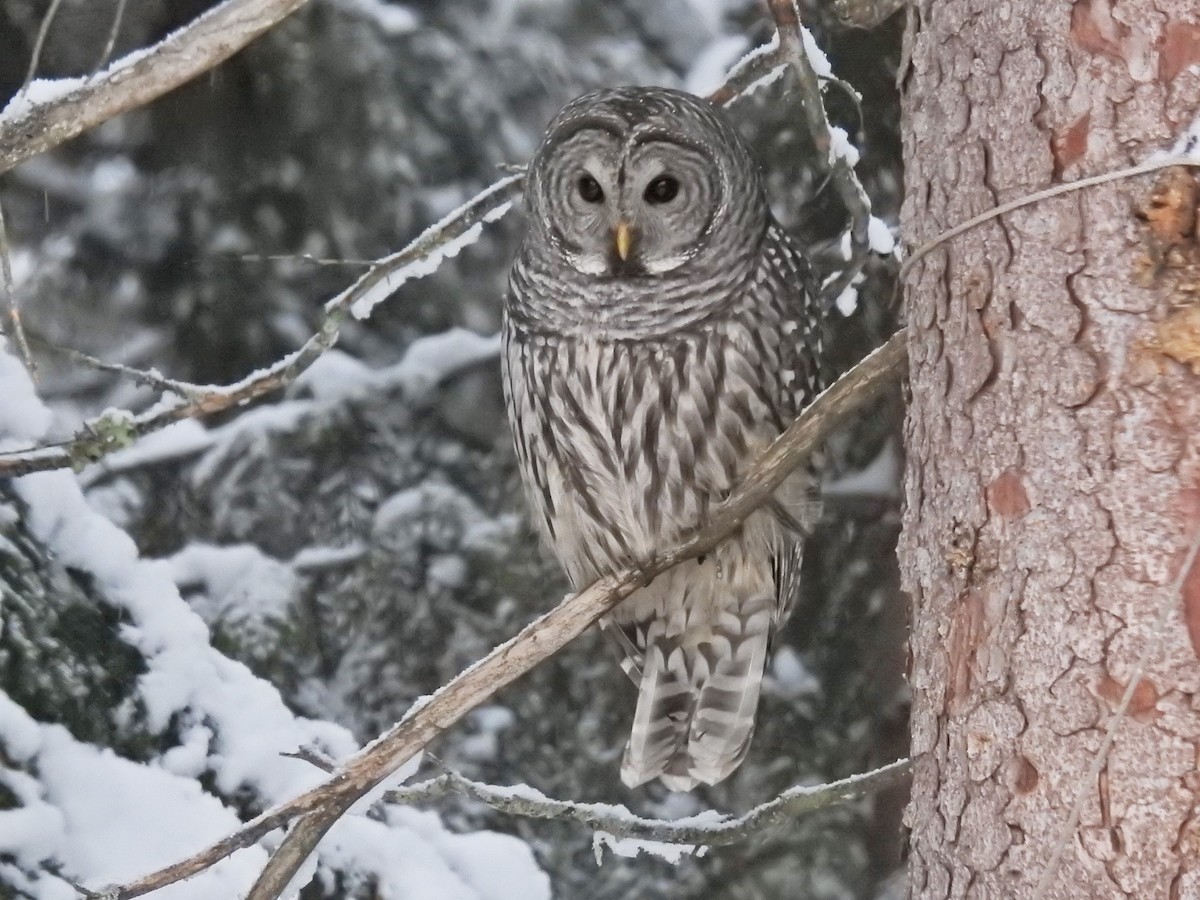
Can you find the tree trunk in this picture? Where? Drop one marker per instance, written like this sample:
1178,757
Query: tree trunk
1053,477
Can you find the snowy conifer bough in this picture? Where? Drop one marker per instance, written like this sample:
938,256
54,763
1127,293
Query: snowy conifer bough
201,714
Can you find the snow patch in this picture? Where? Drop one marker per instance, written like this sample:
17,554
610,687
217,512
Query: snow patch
841,148
792,678
24,420
816,56
631,848
847,301
880,477
430,360
880,237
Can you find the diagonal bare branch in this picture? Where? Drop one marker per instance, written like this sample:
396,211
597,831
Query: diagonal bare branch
9,291
320,807
113,33
32,123
549,634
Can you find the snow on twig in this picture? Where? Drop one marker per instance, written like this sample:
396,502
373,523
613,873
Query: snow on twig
706,829
797,47
151,378
709,828
759,67
441,241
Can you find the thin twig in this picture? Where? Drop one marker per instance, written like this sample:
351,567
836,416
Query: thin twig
619,822
756,67
1037,197
151,378
538,641
114,431
135,79
10,295
35,58
854,198
297,257
112,35
1170,602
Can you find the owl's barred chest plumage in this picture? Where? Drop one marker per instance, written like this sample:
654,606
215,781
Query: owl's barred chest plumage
642,386
625,444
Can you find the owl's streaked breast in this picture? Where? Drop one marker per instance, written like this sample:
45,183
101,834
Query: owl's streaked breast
626,444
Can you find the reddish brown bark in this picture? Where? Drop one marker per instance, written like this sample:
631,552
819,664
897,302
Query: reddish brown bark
1054,450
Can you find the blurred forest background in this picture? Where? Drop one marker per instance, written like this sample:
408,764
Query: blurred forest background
362,538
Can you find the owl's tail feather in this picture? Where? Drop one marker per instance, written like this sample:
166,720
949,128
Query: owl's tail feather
660,724
696,706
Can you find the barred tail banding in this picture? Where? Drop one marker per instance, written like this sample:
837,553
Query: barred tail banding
697,703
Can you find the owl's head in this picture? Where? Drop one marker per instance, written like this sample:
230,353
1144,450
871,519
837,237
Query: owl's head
636,182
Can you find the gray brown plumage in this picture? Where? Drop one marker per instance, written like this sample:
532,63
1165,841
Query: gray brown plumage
660,329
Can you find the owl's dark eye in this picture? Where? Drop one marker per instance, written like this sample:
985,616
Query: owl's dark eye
589,189
662,189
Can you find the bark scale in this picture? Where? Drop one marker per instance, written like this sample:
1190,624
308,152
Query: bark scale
1053,478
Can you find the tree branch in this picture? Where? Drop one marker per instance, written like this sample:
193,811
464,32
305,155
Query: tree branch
31,124
320,807
619,822
792,48
543,638
115,430
1166,162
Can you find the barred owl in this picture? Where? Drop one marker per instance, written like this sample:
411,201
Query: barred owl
660,329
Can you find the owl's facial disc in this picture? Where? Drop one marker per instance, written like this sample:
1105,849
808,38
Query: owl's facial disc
668,198
625,206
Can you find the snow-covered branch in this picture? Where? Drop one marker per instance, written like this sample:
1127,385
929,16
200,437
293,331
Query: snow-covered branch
316,810
706,829
798,48
47,113
115,430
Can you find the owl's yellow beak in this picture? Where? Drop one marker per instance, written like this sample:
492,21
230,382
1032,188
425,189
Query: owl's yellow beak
623,234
